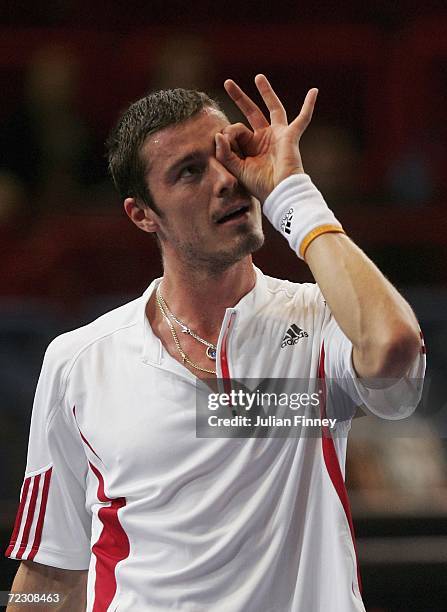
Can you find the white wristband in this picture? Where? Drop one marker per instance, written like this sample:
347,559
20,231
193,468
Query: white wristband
297,209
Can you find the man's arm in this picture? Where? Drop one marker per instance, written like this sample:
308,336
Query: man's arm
377,320
71,585
372,314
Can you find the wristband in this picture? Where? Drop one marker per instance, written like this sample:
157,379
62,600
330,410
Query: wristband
297,209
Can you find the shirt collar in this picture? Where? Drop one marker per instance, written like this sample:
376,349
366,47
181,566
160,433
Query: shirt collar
247,307
152,347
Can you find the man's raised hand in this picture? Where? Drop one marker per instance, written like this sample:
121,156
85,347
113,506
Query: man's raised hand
268,153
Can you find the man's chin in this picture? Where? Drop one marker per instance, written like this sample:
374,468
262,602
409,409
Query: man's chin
247,244
218,260
252,241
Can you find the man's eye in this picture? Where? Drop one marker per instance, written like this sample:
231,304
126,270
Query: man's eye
190,171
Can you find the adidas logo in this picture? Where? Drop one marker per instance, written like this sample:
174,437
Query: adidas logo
286,221
293,334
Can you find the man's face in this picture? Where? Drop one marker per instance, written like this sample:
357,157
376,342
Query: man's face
207,219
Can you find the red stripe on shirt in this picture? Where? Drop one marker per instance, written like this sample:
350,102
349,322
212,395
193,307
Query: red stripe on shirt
19,516
224,365
29,516
333,465
224,359
40,520
82,436
111,547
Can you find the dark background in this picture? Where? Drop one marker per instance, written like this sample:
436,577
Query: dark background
376,148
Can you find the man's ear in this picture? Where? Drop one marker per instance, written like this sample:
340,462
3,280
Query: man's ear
143,216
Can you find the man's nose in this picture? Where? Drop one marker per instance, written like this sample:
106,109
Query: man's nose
225,182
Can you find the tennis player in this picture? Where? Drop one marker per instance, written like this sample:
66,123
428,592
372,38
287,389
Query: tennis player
123,507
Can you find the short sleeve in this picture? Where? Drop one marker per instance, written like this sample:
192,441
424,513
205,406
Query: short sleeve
397,400
52,524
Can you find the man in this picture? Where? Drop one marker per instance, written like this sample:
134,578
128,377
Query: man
117,483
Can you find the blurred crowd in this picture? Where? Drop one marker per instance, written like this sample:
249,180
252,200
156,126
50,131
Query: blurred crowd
52,154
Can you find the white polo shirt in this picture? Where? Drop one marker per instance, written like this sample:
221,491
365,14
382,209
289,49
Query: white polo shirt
117,481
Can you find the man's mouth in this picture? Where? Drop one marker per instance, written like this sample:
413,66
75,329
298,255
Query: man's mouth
235,213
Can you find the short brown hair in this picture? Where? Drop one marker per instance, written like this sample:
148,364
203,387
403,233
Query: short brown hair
150,114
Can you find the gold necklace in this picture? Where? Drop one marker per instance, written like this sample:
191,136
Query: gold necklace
211,349
184,356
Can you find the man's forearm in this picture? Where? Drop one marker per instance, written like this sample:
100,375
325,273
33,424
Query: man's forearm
70,585
369,310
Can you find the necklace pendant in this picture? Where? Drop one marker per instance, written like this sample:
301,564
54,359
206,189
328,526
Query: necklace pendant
185,330
211,353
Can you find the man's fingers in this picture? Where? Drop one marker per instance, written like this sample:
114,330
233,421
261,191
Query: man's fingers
240,137
250,110
278,115
304,118
226,156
